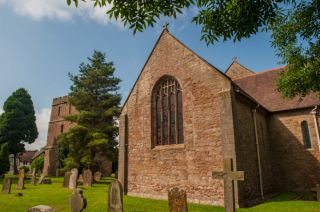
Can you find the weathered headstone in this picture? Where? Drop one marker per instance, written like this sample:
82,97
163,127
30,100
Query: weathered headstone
317,190
229,176
115,197
73,178
66,180
6,185
87,177
41,179
33,177
77,202
97,176
46,180
177,200
41,208
21,179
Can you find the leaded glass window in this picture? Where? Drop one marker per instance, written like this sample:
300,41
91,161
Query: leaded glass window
167,112
306,135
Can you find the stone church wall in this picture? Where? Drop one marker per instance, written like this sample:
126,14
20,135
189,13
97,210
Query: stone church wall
246,148
61,108
295,167
154,170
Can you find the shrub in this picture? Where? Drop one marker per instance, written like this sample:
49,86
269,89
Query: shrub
38,164
4,159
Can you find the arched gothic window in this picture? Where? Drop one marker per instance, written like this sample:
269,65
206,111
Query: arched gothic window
167,112
306,135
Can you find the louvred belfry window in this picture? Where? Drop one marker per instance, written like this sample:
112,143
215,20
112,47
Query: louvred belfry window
167,112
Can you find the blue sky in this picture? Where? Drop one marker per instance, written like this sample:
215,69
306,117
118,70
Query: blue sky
42,41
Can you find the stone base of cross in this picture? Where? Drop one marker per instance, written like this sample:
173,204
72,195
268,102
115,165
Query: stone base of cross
317,190
229,176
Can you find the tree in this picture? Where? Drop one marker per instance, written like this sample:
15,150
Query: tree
94,95
37,164
4,159
17,123
295,29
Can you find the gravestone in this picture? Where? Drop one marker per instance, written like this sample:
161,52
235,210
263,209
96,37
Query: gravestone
73,178
6,185
33,177
66,179
115,197
46,180
41,179
77,202
21,179
87,177
41,208
97,176
317,190
177,200
229,176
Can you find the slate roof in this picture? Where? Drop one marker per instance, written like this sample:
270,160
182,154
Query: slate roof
27,156
262,87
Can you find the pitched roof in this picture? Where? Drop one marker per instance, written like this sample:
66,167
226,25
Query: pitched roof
237,70
166,31
37,154
27,156
262,87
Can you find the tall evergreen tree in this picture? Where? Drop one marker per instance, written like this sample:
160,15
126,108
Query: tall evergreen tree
4,159
17,123
94,95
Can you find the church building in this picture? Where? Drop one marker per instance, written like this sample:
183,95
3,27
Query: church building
183,117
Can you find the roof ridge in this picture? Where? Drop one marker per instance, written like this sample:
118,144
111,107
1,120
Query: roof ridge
263,72
236,61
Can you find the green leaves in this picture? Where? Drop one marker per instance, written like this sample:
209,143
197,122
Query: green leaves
296,36
17,123
94,94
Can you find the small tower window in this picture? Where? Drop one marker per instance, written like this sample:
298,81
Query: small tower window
61,128
59,110
306,135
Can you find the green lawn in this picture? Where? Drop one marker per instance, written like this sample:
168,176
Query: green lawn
57,197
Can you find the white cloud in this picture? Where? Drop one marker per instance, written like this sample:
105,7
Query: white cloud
43,118
59,10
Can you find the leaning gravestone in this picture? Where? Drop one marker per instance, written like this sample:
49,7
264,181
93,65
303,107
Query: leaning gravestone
77,202
66,179
6,185
21,179
177,200
73,178
115,197
87,177
41,179
33,177
97,176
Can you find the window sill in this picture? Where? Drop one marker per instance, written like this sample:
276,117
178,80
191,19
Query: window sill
171,146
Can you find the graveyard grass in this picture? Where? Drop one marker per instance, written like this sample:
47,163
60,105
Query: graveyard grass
57,197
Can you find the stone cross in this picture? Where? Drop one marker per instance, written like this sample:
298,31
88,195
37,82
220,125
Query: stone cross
77,202
229,176
6,185
317,190
66,180
165,26
73,178
87,177
115,197
97,176
177,200
21,179
33,177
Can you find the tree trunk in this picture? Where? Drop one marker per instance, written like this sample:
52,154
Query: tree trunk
15,168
